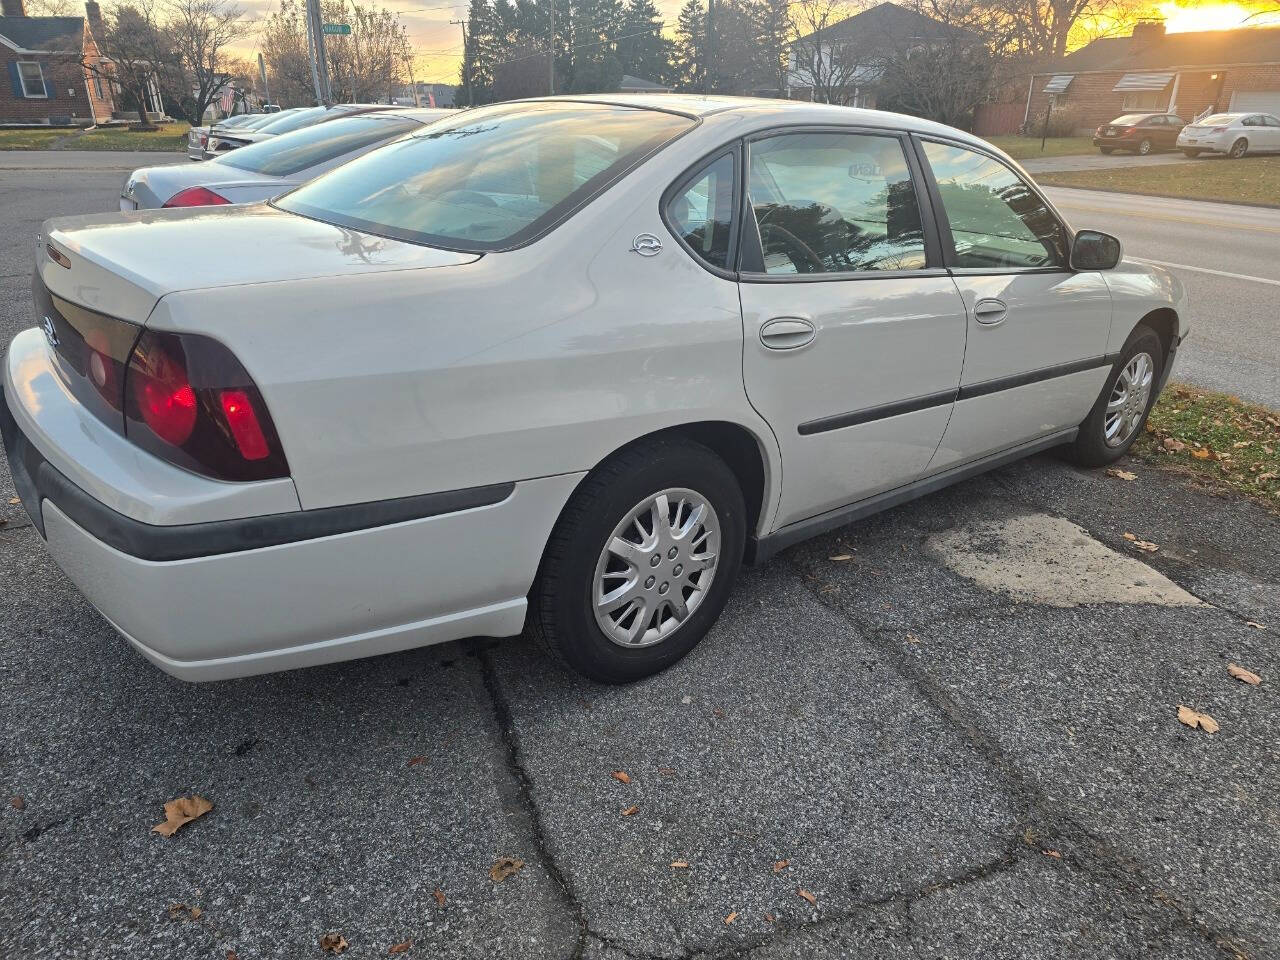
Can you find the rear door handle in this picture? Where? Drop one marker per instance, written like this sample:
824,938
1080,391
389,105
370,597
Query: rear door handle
990,311
787,333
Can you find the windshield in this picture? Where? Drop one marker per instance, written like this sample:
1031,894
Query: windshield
490,179
288,153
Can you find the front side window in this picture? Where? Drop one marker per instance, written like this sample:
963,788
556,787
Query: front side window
702,212
32,79
490,178
835,203
996,219
289,153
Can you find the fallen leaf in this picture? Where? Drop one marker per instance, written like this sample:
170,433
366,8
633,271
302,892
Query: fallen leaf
400,947
439,895
621,776
17,803
912,638
1202,453
504,867
1121,474
718,712
177,910
731,917
14,502
802,892
679,864
841,556
178,813
769,917
667,771
630,811
1052,853
1255,624
781,865
1145,545
1194,719
1174,445
1247,676
232,955
333,943
414,761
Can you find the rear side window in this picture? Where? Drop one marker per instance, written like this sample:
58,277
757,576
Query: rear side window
835,203
285,155
996,219
701,212
489,179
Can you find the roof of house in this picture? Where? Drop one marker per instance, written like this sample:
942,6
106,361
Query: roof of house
1209,48
892,21
51,34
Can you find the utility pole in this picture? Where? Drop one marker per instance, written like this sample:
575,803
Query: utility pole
551,52
413,84
262,72
315,46
471,101
707,43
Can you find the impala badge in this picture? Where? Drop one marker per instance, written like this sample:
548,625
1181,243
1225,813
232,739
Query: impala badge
50,334
647,245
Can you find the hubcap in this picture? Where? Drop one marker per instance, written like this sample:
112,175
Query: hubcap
1129,399
656,567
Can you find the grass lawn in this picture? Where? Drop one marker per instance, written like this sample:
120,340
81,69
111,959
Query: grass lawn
1217,438
170,137
1251,180
1028,148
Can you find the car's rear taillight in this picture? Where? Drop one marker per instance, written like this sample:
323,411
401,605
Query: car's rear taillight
195,197
188,400
204,138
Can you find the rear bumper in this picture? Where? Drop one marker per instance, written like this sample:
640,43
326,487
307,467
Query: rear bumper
231,598
1119,143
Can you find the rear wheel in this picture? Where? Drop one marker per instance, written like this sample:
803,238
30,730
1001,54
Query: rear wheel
1144,147
1107,150
642,561
1117,418
1192,153
1238,149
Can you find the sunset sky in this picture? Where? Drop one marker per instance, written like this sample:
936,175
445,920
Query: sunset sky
439,43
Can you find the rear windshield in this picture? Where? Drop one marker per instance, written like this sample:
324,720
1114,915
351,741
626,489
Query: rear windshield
1218,119
295,121
1131,118
285,155
490,179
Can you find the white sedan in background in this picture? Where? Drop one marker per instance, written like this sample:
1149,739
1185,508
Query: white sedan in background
1233,134
566,361
264,170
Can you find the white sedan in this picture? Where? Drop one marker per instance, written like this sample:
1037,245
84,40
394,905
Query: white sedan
266,169
1232,134
566,361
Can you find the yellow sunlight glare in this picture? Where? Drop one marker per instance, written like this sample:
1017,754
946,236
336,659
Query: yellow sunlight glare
1182,18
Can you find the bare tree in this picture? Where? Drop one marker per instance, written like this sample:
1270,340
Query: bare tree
132,52
831,66
200,33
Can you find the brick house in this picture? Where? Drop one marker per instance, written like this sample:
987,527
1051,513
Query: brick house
1188,74
43,61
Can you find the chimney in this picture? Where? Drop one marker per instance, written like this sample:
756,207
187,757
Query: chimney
1148,30
12,8
93,13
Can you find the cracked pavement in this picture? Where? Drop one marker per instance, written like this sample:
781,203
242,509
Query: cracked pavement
949,769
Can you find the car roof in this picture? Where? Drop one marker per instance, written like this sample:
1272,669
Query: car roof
425,114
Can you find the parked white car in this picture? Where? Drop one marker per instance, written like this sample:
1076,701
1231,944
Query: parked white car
544,360
286,121
1233,134
198,137
264,170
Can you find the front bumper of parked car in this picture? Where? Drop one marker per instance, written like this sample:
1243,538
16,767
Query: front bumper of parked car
210,599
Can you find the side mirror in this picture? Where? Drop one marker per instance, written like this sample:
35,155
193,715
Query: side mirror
1094,250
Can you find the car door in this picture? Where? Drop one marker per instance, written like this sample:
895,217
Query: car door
1154,129
1173,127
1035,354
1271,126
854,332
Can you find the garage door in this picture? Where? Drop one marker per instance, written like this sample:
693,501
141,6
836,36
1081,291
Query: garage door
1264,101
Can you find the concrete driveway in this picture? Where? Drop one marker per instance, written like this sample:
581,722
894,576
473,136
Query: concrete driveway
949,731
1100,161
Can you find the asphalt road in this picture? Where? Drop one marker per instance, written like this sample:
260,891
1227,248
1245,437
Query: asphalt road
941,740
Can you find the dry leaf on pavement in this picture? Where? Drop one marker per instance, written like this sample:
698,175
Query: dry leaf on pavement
439,895
1052,853
17,803
769,917
630,811
504,867
679,864
1247,676
14,502
414,761
1255,624
333,943
841,556
731,917
1194,719
232,955
400,947
1121,474
621,776
781,865
177,910
178,813
1144,545
802,892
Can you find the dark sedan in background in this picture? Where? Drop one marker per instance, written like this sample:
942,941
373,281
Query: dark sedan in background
1141,133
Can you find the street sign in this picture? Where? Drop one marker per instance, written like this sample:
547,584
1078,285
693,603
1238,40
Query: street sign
337,29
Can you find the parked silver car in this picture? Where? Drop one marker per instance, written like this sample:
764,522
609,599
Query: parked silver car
271,167
198,137
286,121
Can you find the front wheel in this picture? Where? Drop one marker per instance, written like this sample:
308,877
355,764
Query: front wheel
1144,148
1238,149
1117,418
642,561
1192,153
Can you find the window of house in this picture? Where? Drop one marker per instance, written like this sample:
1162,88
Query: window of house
1145,100
97,87
32,79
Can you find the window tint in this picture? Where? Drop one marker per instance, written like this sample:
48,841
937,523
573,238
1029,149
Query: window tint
489,178
295,121
996,219
1271,121
288,153
835,203
702,212
1155,121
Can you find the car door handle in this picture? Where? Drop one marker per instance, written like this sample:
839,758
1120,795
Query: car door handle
990,311
787,333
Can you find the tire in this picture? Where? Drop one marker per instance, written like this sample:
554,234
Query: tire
1091,447
577,568
1238,149
1192,153
1108,150
1144,148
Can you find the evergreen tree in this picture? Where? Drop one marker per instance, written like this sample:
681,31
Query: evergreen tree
481,52
642,49
686,54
